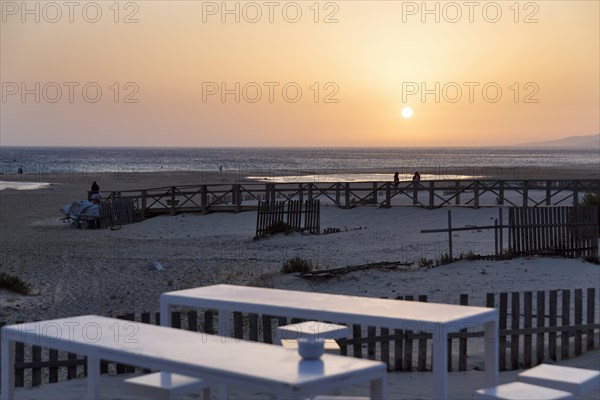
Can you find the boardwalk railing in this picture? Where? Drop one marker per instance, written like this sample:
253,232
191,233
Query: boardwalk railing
430,194
297,216
533,327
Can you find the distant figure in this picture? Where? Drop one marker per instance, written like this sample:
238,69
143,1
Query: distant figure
20,170
396,181
416,177
221,168
95,193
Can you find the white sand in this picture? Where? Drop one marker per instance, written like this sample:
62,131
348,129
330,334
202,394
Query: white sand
110,272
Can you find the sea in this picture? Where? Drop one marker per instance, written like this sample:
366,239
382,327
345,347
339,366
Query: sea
292,164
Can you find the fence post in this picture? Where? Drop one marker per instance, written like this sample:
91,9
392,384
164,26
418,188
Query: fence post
144,204
476,194
548,193
347,194
541,322
457,194
300,192
204,199
173,189
431,194
388,195
237,197
375,192
501,194
525,193
576,193
337,194
591,308
450,234
310,192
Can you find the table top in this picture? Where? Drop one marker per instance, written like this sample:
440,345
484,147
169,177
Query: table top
334,307
191,353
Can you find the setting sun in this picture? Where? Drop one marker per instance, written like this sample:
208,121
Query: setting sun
407,112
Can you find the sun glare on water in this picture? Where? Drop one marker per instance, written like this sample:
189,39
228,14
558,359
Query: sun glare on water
407,112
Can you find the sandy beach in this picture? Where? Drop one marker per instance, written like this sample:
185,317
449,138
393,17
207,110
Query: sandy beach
75,271
112,272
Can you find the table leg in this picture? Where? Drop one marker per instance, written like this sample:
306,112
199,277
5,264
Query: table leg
7,366
440,364
165,315
379,388
491,362
93,378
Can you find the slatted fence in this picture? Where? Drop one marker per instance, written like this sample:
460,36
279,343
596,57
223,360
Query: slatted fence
117,212
569,231
294,213
533,327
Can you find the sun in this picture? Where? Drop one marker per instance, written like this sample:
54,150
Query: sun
407,112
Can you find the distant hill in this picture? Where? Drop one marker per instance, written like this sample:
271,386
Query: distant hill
592,141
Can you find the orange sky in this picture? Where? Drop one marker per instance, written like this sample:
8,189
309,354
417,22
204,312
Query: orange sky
357,66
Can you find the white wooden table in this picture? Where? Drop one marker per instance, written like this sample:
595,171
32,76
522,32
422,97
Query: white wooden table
438,319
257,366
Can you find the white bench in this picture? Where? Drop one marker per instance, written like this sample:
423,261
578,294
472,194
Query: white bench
164,385
521,391
575,380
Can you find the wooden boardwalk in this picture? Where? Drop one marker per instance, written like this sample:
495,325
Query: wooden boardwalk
239,197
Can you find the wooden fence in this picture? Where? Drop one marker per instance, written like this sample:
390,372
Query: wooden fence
568,231
292,212
533,327
116,212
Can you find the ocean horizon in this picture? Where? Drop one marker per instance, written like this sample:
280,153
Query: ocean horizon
348,163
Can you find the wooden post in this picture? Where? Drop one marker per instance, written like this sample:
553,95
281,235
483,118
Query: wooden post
415,193
502,314
301,193
514,325
576,193
431,194
375,192
450,234
347,194
476,194
501,221
527,323
337,194
552,323
310,193
566,320
173,211
541,322
204,199
591,308
578,320
457,194
237,197
496,237
388,195
548,193
501,194
525,193
144,204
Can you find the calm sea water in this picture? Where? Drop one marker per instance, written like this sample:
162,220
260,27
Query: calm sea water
265,162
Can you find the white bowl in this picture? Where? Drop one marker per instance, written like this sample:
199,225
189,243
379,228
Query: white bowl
311,348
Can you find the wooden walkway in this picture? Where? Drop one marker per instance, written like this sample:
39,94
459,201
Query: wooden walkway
429,194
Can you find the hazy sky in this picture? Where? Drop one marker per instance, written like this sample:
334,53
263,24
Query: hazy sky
303,73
